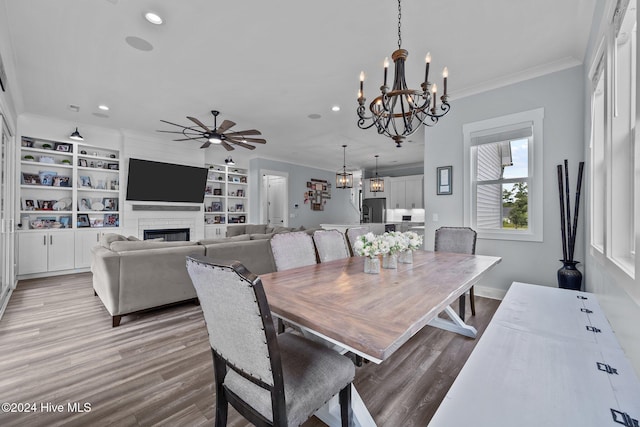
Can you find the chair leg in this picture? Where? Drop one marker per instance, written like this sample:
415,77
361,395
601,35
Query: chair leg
346,413
462,306
222,405
472,301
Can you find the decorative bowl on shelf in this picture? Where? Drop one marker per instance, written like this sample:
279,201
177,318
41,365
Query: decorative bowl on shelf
66,162
47,146
97,206
29,157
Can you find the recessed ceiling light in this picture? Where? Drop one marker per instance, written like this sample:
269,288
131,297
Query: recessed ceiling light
335,108
103,107
314,116
138,43
154,18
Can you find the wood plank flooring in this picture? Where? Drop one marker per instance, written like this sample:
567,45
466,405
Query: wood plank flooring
57,346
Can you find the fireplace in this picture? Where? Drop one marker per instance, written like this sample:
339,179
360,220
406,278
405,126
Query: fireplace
169,234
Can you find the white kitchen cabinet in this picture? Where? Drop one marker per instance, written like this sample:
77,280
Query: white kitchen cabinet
215,232
84,241
41,252
406,192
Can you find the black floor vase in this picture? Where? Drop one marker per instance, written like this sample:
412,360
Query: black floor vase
569,277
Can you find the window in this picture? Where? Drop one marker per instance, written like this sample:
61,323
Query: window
598,162
503,176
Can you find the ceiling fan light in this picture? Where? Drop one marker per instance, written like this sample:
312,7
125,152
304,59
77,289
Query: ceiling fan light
214,139
75,135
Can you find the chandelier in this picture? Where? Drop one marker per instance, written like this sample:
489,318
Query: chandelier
398,112
376,185
344,179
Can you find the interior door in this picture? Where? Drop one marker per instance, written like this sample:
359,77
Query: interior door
6,223
276,190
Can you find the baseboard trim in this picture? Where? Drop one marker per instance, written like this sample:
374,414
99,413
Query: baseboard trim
492,293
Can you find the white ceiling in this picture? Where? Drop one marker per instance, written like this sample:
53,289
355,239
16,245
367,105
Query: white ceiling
268,65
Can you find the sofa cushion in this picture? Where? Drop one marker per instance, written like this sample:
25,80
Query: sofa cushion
133,239
261,236
239,238
279,229
108,238
235,230
255,228
255,255
124,246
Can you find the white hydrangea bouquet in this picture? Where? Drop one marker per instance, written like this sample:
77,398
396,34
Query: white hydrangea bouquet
414,240
395,241
370,245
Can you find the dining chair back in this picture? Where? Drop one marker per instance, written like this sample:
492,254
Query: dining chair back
330,244
291,250
353,234
272,380
460,240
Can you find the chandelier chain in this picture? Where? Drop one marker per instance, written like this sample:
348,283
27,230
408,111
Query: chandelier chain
399,20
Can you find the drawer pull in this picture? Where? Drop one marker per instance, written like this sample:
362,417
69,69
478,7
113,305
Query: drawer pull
623,418
606,368
586,310
593,329
581,297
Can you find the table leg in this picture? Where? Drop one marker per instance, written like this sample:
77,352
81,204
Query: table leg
456,324
330,412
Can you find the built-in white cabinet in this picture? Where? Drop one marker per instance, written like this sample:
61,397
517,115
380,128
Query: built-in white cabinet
406,192
84,241
226,199
45,251
381,194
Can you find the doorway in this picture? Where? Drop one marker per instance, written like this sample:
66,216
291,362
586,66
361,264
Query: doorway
274,198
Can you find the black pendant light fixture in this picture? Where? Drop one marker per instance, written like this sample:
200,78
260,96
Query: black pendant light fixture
399,111
344,179
229,161
376,185
75,135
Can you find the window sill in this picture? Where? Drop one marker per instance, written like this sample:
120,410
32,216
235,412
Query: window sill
524,236
626,264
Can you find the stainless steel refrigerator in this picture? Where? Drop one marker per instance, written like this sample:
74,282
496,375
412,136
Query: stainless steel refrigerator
374,210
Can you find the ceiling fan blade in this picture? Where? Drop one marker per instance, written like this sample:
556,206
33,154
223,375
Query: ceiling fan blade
199,123
245,132
174,124
241,144
205,145
226,125
186,139
254,140
169,131
227,146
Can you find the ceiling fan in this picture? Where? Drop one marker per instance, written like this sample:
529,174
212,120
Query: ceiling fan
217,135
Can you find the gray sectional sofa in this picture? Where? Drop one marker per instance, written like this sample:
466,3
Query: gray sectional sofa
130,276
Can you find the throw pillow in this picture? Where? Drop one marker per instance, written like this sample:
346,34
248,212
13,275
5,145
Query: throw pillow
133,239
255,229
109,238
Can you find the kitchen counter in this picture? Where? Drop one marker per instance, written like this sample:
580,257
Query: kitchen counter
376,227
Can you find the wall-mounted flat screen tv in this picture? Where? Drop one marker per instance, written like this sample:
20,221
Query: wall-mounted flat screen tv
165,182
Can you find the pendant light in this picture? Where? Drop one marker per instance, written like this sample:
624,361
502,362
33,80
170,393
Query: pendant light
76,136
344,179
376,184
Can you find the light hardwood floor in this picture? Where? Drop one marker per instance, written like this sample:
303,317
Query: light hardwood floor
57,346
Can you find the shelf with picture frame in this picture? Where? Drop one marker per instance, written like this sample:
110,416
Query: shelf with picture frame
226,198
55,175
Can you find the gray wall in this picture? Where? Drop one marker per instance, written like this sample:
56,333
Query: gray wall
338,209
561,96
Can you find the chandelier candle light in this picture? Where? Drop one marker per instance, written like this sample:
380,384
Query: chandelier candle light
398,112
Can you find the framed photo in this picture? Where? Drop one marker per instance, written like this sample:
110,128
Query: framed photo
83,221
243,179
444,180
30,178
216,206
27,143
236,179
240,193
46,177
111,220
82,163
61,181
216,219
28,205
217,191
113,166
97,222
61,146
239,207
65,221
242,219
46,205
85,181
84,204
110,203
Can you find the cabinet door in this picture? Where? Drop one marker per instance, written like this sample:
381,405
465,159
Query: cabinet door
84,241
61,253
414,193
215,231
397,194
32,253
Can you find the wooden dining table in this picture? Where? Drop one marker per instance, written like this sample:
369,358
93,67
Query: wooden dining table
372,315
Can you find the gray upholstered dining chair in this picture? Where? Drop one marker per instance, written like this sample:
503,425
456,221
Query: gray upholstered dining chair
291,250
460,240
352,235
272,380
330,245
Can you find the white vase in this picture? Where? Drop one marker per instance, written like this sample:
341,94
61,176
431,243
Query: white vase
390,261
406,257
372,265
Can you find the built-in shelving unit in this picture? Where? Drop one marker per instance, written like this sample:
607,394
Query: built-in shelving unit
68,185
226,198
